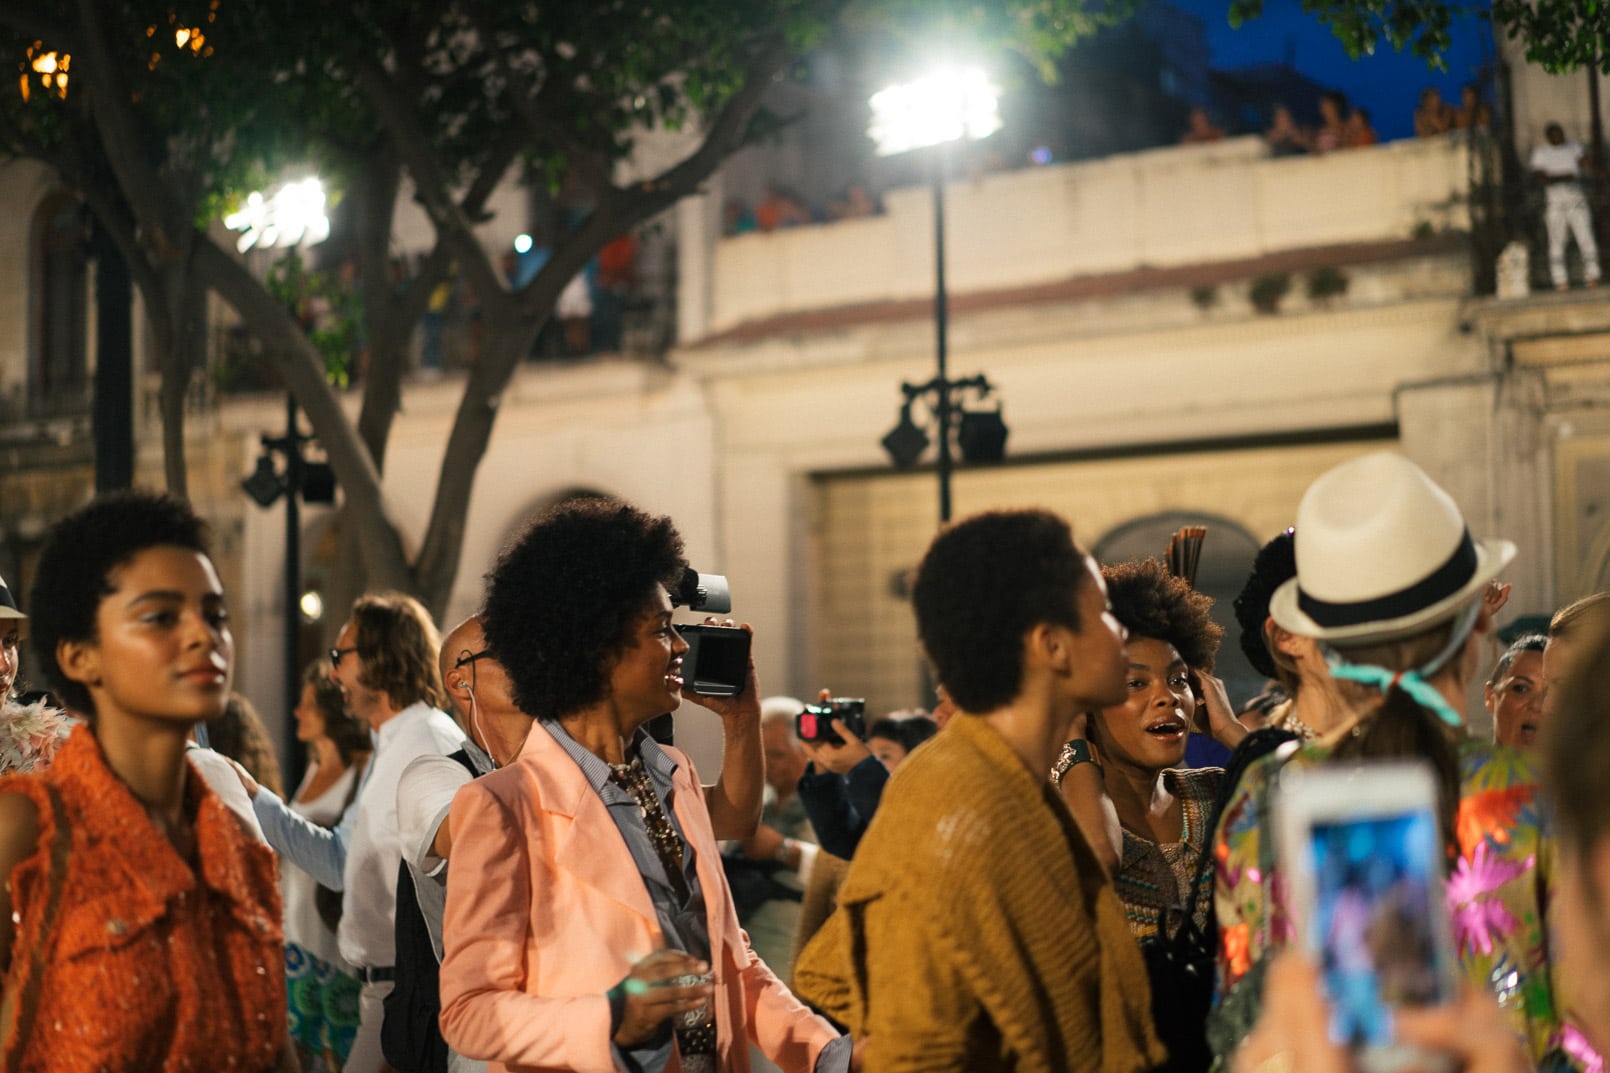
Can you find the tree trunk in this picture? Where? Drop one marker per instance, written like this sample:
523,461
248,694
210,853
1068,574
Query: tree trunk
387,340
186,352
466,446
303,369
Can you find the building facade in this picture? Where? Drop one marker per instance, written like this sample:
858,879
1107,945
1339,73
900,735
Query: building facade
1186,333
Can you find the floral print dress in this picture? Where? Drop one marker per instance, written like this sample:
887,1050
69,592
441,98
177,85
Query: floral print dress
1497,898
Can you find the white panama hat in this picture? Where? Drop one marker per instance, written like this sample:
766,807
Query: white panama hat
8,603
1382,553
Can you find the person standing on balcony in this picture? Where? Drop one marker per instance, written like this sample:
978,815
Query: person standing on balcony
1558,166
1332,122
1201,129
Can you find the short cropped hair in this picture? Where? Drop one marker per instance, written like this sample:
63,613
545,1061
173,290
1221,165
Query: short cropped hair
983,584
1151,602
1531,642
1576,750
563,598
1589,614
75,569
398,646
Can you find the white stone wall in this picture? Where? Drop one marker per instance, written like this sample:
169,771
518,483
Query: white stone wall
1166,207
795,418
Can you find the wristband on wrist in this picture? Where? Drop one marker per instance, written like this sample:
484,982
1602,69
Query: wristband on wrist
1073,754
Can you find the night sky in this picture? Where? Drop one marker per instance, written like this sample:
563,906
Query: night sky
1387,84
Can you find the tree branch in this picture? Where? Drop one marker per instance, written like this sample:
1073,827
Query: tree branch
122,133
431,183
532,106
617,212
380,536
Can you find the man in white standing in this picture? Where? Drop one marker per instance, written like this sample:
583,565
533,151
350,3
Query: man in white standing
1558,165
385,662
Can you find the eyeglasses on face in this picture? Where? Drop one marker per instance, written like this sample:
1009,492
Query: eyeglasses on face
337,653
467,656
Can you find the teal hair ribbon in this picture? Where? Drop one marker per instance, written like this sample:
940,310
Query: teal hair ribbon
1424,693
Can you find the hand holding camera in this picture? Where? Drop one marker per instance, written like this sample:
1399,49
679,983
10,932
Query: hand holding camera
832,732
718,669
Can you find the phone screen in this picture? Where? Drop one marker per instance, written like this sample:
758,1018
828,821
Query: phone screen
1375,920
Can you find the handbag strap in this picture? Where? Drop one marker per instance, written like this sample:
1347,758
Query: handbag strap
20,1006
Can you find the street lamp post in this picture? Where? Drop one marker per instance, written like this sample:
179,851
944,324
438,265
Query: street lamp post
932,112
314,482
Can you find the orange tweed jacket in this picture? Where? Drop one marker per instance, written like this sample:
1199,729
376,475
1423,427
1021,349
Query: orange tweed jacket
151,965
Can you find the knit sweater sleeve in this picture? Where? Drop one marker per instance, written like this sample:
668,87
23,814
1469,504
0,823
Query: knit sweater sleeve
920,1008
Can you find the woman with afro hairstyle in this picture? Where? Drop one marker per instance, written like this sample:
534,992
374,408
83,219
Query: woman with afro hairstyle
139,920
1122,775
589,924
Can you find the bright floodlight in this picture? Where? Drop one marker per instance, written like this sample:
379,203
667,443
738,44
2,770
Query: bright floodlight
292,216
946,106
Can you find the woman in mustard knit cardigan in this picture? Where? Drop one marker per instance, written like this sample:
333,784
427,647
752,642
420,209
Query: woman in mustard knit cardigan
976,930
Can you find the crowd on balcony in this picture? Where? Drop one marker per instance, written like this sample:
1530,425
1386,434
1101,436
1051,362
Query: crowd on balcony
1434,116
781,209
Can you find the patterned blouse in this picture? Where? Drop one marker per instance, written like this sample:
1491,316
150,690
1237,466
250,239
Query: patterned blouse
1497,896
1154,879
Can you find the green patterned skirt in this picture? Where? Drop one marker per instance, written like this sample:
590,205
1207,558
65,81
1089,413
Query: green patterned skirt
323,1003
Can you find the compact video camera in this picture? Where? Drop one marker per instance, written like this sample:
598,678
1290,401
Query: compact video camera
717,660
702,592
815,723
716,663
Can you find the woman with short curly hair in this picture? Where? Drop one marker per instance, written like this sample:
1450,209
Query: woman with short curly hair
1126,765
589,924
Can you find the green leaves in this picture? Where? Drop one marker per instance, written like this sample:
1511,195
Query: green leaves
1419,26
1559,35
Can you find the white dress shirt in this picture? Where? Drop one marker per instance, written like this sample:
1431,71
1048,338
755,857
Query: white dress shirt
369,877
1561,161
219,774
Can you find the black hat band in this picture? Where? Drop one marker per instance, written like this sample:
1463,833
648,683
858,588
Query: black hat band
1441,583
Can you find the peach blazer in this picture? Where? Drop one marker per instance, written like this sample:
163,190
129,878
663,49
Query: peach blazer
546,912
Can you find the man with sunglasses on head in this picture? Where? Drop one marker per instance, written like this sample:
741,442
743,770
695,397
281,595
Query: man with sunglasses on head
385,662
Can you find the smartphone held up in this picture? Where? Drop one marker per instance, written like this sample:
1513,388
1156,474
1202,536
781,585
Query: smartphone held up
1361,849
